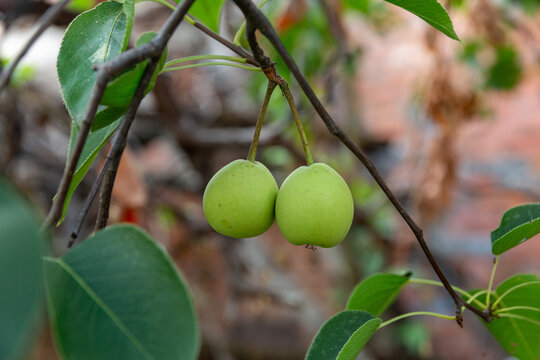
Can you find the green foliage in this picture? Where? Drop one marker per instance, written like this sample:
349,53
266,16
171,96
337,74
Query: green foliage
431,12
95,36
21,277
308,39
518,330
94,142
375,293
343,336
207,12
118,94
118,295
79,6
120,91
517,225
506,71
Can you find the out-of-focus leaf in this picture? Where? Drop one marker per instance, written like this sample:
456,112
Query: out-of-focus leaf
343,336
506,72
517,225
431,12
118,295
21,274
375,293
79,6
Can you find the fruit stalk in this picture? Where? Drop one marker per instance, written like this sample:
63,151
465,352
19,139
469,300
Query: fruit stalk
287,92
255,142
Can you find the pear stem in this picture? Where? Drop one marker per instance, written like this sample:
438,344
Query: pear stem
255,142
287,92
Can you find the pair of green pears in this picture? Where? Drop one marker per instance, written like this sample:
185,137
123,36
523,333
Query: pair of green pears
314,205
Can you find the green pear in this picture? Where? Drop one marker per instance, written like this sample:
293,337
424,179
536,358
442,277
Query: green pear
314,206
239,200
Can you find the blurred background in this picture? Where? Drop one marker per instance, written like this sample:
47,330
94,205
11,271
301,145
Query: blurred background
454,128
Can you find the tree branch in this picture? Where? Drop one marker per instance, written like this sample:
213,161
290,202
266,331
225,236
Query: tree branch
44,22
119,144
105,72
257,20
234,48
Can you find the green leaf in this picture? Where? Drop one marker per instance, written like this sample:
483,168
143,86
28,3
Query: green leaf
118,295
93,37
207,12
431,12
519,338
517,225
506,71
120,91
375,293
79,6
94,142
21,277
343,336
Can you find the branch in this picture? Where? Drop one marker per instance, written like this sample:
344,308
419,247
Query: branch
234,48
257,20
86,207
44,22
105,72
119,144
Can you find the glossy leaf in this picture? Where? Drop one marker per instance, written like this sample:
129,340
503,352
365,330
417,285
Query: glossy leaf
375,293
118,295
431,12
343,336
520,337
93,37
207,12
517,225
21,277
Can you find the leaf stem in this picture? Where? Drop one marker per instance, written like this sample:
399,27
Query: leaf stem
287,92
491,280
209,64
440,284
255,142
441,316
205,57
511,308
475,296
511,290
162,2
519,317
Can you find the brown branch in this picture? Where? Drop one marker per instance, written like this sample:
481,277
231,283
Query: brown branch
234,48
44,22
257,20
119,144
86,207
105,72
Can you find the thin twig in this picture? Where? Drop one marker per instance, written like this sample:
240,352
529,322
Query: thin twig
257,20
119,144
234,48
86,207
105,72
44,22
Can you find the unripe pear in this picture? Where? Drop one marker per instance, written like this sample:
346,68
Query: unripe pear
239,200
314,206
